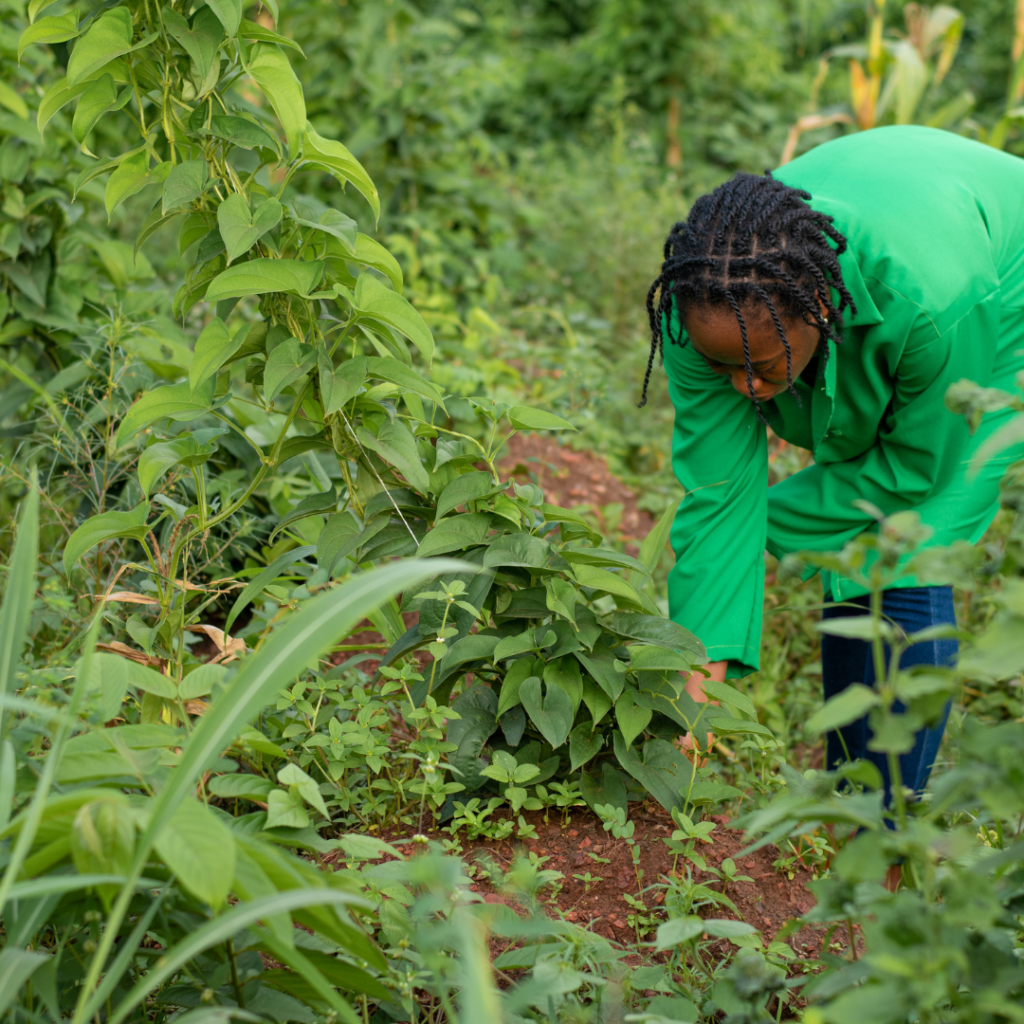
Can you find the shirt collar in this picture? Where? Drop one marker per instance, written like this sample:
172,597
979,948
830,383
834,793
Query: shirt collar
867,312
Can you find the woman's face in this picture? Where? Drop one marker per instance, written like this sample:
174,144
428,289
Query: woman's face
715,335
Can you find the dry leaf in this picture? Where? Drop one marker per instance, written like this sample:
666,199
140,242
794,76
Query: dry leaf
127,596
132,655
230,647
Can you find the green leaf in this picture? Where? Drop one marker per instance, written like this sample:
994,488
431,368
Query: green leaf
35,6
721,928
97,99
336,159
601,665
151,225
19,593
200,681
148,680
241,228
656,630
260,276
242,132
396,445
285,365
271,71
712,793
584,744
845,707
607,788
55,29
466,488
653,548
285,810
200,849
603,557
632,719
677,931
224,927
649,658
859,627
597,702
157,459
518,549
663,770
522,417
331,222
369,253
103,841
375,301
254,30
176,401
125,182
455,533
109,36
214,347
185,183
108,526
16,968
200,42
339,386
602,579
409,380
729,724
292,775
729,695
551,712
130,176
229,12
240,786
520,643
257,585
13,101
56,97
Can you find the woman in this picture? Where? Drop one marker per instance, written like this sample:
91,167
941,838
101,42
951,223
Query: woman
835,302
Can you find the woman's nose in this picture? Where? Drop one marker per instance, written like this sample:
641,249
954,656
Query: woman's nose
739,382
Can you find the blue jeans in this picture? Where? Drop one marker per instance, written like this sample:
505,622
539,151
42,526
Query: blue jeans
845,661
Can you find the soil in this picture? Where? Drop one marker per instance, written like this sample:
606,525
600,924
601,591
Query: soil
769,901
573,479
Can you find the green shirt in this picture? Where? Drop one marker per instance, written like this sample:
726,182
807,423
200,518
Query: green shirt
935,265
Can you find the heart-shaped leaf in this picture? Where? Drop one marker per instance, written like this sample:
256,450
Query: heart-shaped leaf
257,277
584,743
107,526
214,347
375,301
241,228
186,182
285,365
157,459
632,718
551,712
339,385
109,36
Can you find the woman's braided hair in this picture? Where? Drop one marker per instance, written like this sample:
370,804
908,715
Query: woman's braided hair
752,238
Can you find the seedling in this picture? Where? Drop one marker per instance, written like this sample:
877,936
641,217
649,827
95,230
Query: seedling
588,880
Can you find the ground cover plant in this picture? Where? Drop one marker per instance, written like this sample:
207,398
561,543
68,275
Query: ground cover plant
315,704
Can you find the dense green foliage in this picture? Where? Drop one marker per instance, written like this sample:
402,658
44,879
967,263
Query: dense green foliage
279,287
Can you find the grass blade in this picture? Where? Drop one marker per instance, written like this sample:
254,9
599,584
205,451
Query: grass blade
221,929
291,647
18,594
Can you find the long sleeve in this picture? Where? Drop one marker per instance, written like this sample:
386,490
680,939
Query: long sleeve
719,454
919,460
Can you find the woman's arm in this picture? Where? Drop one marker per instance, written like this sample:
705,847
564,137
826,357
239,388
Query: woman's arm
719,454
921,446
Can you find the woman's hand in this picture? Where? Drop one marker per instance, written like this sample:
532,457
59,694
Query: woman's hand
695,688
